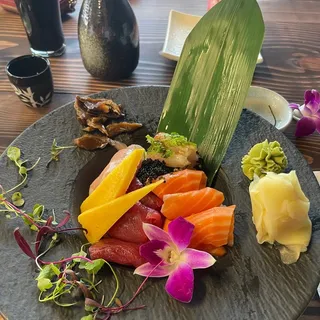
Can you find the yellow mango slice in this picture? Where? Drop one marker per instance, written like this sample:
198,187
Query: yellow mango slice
115,183
98,220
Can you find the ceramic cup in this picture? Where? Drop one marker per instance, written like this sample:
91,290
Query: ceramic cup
31,80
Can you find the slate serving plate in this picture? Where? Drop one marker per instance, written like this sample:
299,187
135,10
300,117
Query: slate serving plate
249,283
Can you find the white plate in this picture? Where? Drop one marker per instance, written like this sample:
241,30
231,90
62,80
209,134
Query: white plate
179,26
270,106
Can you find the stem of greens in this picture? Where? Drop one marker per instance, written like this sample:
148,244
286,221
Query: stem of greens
32,167
18,185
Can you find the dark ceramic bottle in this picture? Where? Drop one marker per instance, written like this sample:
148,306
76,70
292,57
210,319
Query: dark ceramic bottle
108,38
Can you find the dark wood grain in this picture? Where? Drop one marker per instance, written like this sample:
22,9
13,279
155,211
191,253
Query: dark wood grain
290,50
291,53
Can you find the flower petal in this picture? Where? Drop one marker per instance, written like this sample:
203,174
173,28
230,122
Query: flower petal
180,231
294,106
180,283
145,270
305,126
306,112
313,107
317,122
311,96
197,259
155,233
312,100
148,249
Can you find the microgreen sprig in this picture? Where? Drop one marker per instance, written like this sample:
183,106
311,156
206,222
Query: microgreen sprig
56,150
14,154
17,199
59,280
33,219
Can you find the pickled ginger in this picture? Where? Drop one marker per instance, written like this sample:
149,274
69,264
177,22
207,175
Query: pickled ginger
280,213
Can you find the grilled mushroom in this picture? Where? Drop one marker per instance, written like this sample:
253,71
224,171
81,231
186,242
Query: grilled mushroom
91,141
97,114
114,129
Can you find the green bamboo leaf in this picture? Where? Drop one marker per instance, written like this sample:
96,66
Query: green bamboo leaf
212,78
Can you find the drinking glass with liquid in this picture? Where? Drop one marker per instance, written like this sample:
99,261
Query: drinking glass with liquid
42,22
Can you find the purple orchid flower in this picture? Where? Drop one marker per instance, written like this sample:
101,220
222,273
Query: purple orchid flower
310,112
167,255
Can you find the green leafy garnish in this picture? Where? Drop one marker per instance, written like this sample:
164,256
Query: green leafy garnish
35,217
14,154
81,253
88,317
56,150
92,267
212,79
17,199
44,284
45,276
30,219
166,143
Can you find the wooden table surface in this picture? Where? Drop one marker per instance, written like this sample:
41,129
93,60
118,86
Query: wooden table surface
291,53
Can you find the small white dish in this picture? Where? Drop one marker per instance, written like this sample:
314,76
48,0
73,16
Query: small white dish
269,105
179,26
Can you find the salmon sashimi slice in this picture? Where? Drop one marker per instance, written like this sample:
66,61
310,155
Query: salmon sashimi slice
115,160
213,227
187,203
166,225
215,251
231,233
181,181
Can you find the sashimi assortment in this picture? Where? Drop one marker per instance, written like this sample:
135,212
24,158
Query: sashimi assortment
170,222
122,215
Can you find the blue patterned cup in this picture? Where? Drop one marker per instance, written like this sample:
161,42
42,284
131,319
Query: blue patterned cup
31,80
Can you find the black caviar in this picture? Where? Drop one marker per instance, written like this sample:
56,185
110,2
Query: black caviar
151,170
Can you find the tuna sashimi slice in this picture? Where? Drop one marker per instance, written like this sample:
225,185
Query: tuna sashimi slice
187,203
129,226
181,181
150,200
117,251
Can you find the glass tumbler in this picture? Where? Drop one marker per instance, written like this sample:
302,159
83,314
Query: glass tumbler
42,22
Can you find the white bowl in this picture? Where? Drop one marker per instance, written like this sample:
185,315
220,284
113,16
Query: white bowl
269,105
179,26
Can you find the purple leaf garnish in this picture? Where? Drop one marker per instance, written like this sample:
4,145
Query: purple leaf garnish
65,220
23,244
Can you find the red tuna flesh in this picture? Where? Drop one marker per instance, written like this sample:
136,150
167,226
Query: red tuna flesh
117,251
129,226
150,200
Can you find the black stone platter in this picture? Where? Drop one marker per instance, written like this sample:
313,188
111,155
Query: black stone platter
251,282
